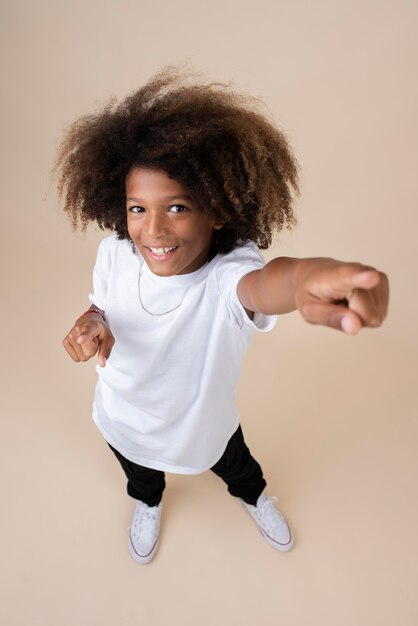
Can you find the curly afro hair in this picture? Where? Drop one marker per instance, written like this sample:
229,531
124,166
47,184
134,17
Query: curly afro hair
237,166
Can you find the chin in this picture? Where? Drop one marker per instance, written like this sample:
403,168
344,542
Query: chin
161,271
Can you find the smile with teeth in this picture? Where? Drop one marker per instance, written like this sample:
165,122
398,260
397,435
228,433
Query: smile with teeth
162,251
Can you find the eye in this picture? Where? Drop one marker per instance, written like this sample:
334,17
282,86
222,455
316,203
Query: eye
136,209
177,208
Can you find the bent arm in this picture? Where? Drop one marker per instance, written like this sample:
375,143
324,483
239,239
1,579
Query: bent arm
89,335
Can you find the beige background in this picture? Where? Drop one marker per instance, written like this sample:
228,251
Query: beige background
333,419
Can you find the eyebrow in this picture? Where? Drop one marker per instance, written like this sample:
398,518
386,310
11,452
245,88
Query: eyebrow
184,197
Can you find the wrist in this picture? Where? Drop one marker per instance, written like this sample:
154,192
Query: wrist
303,269
93,311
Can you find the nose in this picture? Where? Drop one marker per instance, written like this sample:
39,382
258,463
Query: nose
156,226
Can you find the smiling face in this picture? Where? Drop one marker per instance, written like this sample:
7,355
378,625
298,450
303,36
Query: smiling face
171,233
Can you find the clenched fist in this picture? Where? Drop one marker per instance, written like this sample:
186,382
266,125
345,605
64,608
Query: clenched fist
89,335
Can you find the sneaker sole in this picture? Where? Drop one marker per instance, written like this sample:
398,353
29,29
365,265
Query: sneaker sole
283,547
143,559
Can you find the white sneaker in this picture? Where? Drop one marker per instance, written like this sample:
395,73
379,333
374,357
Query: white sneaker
143,532
272,524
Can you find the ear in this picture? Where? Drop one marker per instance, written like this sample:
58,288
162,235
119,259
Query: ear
217,226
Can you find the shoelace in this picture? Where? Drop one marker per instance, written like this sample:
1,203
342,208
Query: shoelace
145,523
267,515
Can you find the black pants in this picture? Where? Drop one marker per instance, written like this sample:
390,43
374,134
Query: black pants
237,468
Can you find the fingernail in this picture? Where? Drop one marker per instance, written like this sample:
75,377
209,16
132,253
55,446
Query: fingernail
346,324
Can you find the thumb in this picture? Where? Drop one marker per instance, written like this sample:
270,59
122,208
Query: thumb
350,276
366,279
86,336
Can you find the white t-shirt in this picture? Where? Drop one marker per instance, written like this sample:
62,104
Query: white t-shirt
166,397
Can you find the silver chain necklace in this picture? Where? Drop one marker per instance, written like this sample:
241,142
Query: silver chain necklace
144,307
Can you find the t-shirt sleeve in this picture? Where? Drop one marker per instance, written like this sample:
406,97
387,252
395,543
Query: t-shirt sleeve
230,270
101,273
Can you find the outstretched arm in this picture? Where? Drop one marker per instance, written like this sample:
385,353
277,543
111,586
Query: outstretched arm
346,296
